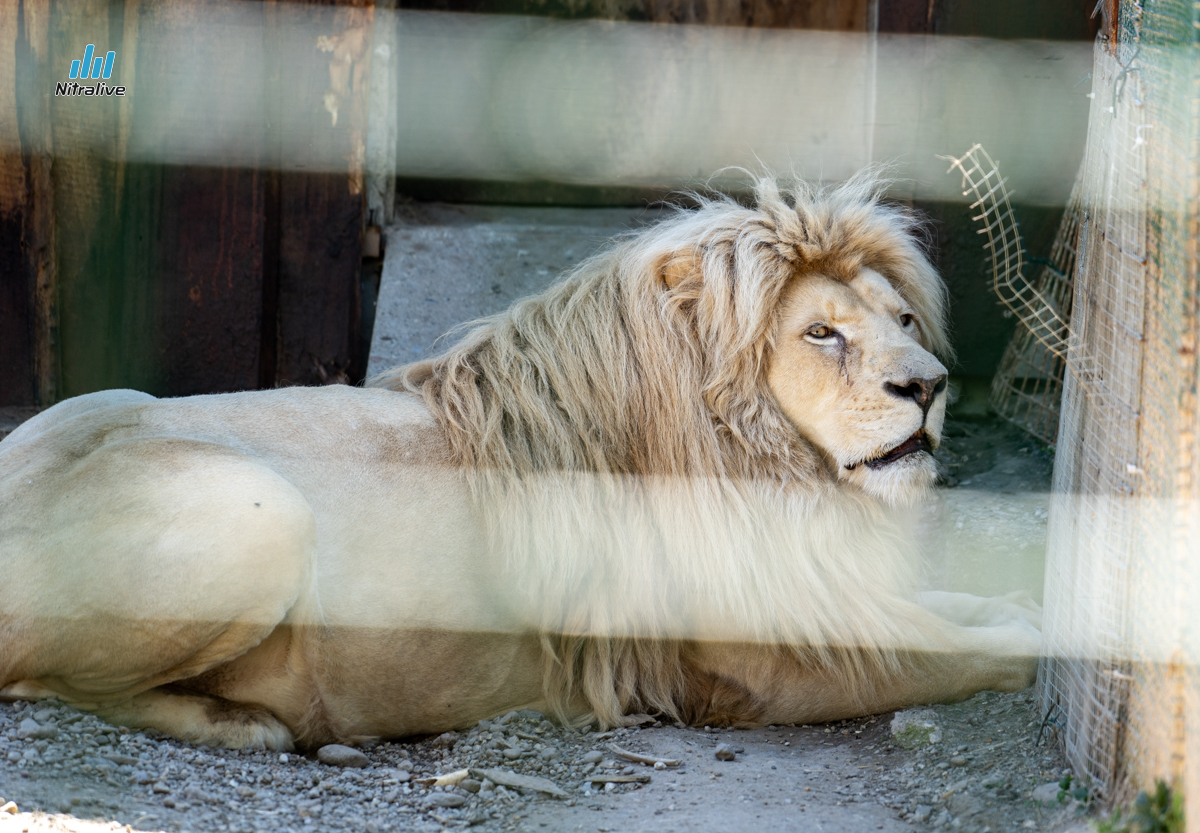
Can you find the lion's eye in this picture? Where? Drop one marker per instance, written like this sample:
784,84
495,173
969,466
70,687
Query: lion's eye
907,320
820,333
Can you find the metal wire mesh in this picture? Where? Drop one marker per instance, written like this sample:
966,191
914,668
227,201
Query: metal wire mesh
1027,387
1122,631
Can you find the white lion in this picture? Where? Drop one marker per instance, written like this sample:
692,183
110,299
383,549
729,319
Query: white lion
675,482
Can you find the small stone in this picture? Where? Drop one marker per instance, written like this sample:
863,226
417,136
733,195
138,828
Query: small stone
283,757
1047,793
964,806
446,800
593,757
9,807
724,752
512,754
923,812
659,765
160,787
958,760
120,760
513,779
335,754
30,729
548,754
914,728
446,740
471,785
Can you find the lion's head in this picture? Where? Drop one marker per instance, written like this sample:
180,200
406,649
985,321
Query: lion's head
794,339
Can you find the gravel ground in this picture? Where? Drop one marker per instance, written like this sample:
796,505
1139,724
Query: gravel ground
974,766
975,769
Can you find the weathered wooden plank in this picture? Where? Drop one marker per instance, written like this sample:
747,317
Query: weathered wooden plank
17,382
210,263
27,358
94,285
908,16
197,230
321,214
319,288
16,295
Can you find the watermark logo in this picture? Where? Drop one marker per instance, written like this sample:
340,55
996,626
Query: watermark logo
92,67
100,65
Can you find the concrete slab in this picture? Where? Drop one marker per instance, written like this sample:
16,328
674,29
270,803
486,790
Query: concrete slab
446,265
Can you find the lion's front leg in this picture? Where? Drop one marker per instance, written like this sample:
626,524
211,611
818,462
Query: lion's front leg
746,684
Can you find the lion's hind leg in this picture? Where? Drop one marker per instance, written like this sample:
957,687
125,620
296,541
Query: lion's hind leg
201,718
153,562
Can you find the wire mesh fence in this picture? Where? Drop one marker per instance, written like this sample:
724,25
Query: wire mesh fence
1120,682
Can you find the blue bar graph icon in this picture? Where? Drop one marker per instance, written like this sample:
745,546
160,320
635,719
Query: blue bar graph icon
93,68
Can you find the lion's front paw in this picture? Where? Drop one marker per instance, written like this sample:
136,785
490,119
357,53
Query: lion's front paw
1015,648
983,611
1017,606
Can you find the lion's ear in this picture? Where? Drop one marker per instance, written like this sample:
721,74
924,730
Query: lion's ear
679,266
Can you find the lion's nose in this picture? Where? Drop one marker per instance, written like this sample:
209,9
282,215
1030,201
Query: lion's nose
921,391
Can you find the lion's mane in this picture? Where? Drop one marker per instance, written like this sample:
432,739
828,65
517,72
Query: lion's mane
637,476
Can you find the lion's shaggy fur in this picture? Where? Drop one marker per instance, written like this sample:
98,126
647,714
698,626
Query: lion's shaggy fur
636,473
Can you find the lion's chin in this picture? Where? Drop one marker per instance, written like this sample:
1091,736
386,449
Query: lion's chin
903,482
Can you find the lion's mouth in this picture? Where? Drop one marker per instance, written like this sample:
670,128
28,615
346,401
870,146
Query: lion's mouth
914,444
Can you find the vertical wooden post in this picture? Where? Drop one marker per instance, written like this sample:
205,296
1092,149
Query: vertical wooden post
28,281
321,214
